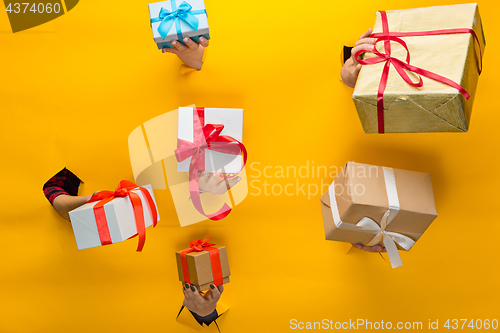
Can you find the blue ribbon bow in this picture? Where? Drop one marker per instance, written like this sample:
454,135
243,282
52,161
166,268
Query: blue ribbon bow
168,18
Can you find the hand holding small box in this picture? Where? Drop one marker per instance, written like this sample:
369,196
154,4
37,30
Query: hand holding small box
200,303
190,54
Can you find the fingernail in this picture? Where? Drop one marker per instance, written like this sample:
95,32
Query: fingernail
238,179
193,288
174,42
212,286
186,39
202,38
205,173
163,50
231,174
357,246
186,285
218,172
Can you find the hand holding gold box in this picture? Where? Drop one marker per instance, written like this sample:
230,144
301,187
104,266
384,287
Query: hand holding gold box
389,101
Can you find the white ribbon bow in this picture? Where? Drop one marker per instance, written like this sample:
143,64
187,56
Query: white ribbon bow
388,238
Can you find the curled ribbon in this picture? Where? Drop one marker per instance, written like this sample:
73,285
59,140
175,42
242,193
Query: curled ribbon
402,66
168,18
124,189
206,137
199,246
389,238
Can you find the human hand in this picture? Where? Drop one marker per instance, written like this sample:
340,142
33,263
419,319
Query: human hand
63,204
350,71
201,304
190,54
215,184
374,248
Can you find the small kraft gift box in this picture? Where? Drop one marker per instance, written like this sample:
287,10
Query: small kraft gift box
373,205
423,73
203,264
114,216
174,19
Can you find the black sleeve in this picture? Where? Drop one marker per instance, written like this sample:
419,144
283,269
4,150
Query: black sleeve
207,320
347,53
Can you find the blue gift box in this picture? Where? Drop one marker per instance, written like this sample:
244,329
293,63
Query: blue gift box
175,19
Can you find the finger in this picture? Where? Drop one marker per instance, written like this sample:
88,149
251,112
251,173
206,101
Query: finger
215,293
378,248
365,41
364,48
179,46
191,44
186,290
204,177
375,248
214,179
367,248
232,181
358,246
204,42
167,50
366,33
195,295
188,293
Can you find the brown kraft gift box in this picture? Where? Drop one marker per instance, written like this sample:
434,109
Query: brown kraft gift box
360,191
200,268
434,107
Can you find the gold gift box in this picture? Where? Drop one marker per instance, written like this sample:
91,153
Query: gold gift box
435,107
200,267
360,191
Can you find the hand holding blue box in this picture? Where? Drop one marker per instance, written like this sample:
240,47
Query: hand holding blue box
172,20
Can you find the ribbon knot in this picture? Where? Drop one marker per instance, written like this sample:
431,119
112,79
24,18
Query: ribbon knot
402,66
200,245
168,18
388,238
122,192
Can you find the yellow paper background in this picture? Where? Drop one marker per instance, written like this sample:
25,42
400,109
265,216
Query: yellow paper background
72,91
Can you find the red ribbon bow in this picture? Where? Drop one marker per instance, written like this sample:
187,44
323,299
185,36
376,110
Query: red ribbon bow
199,246
206,137
124,189
401,66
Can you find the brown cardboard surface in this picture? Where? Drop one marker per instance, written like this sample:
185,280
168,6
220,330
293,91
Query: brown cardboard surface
416,199
200,269
435,107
